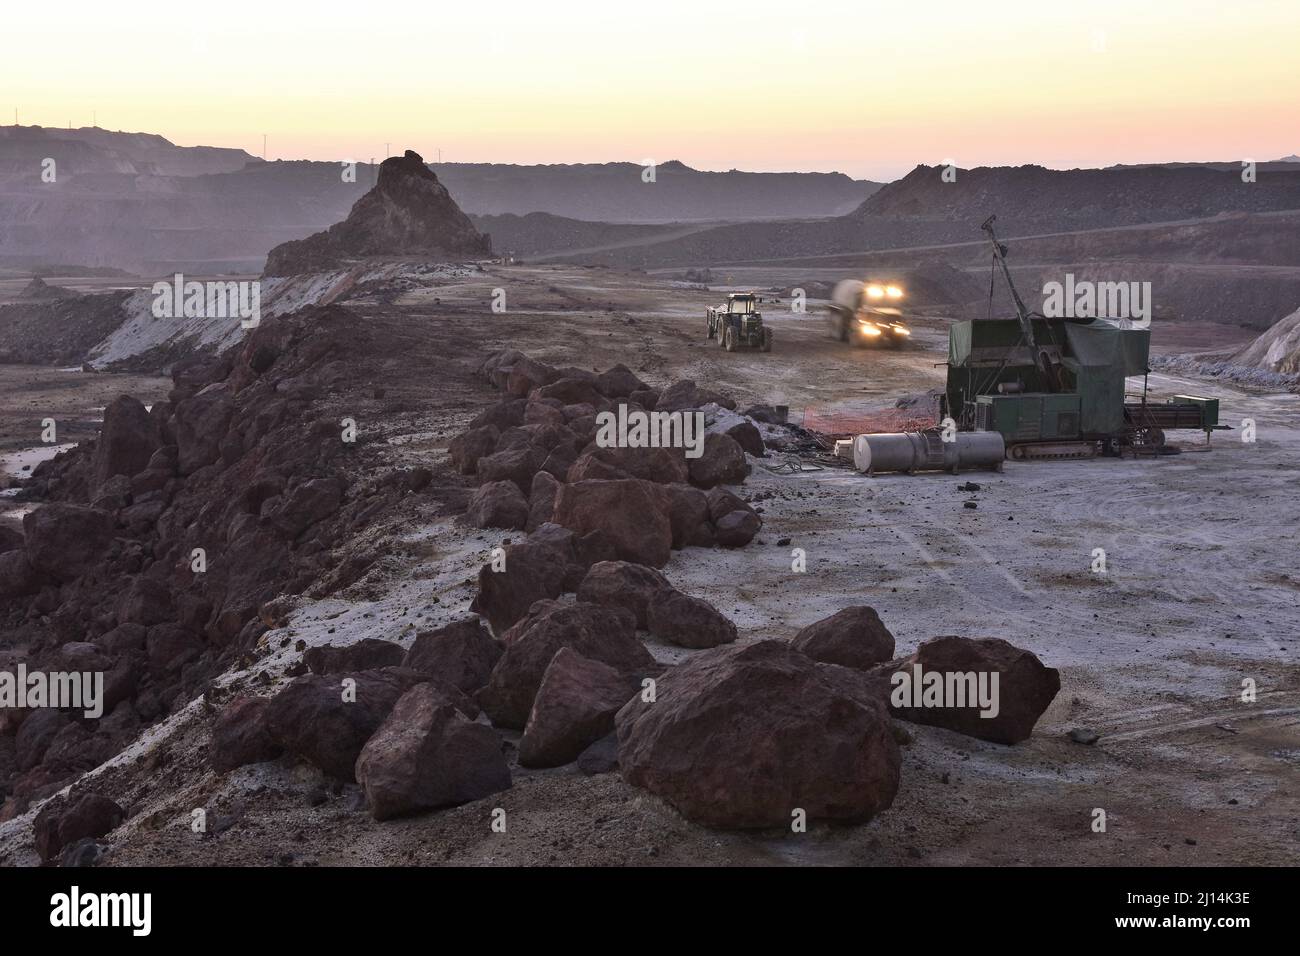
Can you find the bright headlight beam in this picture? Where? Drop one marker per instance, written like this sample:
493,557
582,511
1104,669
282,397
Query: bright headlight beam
875,291
894,292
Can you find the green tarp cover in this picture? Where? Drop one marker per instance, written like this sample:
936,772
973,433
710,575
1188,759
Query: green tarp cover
959,343
1102,344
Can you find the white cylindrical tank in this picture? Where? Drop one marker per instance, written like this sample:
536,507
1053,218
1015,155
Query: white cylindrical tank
927,451
847,294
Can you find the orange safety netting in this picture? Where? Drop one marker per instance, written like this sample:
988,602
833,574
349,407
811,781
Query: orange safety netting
842,420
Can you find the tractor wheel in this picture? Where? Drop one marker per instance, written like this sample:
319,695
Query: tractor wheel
766,345
729,339
722,334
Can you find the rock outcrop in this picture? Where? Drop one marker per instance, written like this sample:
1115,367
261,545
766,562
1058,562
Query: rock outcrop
407,213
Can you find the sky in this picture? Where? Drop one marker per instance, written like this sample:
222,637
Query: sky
869,89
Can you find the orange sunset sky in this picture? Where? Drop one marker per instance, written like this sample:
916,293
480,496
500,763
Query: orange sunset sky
865,88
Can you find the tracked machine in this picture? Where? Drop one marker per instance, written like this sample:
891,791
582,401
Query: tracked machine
1055,388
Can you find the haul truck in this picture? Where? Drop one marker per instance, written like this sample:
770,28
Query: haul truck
867,313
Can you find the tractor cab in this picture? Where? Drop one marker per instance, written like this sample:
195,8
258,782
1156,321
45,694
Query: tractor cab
739,324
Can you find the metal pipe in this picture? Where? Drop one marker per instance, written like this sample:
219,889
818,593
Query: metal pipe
927,451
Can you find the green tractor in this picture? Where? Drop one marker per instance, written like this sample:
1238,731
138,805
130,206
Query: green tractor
739,324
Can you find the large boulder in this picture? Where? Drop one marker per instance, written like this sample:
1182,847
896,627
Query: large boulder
624,584
127,441
17,576
240,735
574,707
723,462
498,504
685,394
745,736
426,754
201,423
688,621
619,382
363,655
660,465
65,541
688,516
466,449
735,523
461,654
541,500
63,822
305,504
517,464
853,637
631,513
326,720
603,634
532,570
1023,690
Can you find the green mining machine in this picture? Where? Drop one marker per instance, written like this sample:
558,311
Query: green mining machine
1055,388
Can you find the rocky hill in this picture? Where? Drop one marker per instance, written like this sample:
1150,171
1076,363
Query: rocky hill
408,213
617,192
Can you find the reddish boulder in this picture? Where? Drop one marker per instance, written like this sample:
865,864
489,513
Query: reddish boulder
62,822
685,394
745,736
603,634
854,637
689,621
574,707
1024,688
427,755
466,449
631,513
619,382
65,541
17,576
660,465
497,504
240,735
722,463
326,720
517,464
201,423
541,500
748,437
530,571
461,654
688,515
502,415
633,587
363,655
126,441
735,523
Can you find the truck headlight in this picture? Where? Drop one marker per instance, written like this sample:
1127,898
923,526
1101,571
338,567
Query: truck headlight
893,291
875,292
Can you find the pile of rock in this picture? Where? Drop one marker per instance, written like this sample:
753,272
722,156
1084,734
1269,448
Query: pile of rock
536,457
160,542
739,735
